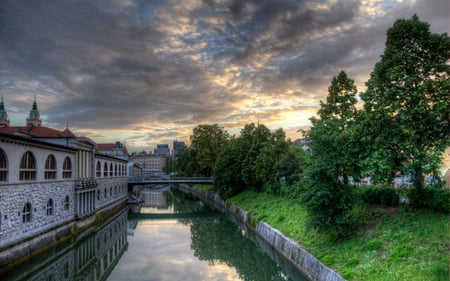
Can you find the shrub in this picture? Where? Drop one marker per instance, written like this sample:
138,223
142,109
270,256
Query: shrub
384,196
437,199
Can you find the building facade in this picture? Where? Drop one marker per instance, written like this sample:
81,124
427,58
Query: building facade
177,145
162,149
150,164
116,149
51,182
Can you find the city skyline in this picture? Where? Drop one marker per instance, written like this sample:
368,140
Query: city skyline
148,72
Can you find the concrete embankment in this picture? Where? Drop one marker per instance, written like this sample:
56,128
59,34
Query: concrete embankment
289,249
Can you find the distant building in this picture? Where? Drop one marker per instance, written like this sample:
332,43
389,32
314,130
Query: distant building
303,143
150,164
177,145
117,149
162,149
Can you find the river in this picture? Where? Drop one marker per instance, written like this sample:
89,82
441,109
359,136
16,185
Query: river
170,236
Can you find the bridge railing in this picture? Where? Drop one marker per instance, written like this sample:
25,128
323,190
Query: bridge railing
140,179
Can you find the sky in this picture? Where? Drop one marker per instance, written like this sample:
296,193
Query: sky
145,72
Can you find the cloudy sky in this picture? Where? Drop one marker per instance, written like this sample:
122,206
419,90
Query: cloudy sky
148,71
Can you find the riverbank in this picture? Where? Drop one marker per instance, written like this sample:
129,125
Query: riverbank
276,243
392,245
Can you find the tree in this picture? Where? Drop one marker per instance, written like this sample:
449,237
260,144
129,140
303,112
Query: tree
292,164
206,143
407,101
253,139
248,161
328,196
274,149
228,170
185,163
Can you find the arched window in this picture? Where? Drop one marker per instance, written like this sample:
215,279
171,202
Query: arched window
27,167
111,171
50,207
3,166
50,168
105,170
67,168
26,214
66,203
115,170
98,170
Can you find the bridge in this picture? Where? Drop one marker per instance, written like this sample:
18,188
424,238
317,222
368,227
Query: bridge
174,180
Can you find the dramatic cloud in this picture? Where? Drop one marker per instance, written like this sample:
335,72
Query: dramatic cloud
147,72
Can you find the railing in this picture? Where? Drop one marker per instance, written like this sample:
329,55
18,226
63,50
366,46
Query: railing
85,183
142,180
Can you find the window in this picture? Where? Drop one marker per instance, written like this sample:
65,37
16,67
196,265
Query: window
50,207
105,170
27,167
98,170
67,168
3,166
50,168
26,214
98,195
111,171
115,170
66,203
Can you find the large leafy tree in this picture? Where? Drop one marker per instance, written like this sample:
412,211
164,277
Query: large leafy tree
253,139
265,167
248,161
328,196
228,169
206,143
292,164
407,101
186,164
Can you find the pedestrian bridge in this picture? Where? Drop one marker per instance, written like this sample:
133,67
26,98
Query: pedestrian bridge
177,180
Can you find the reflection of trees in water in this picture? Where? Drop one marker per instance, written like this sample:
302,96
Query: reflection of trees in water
224,242
186,203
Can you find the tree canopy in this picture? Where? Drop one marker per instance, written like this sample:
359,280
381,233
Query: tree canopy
407,101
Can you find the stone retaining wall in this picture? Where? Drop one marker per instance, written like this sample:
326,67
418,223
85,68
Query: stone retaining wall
306,263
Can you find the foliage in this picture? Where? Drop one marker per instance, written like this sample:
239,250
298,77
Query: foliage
291,165
383,196
247,161
328,196
206,143
407,108
437,199
227,171
186,164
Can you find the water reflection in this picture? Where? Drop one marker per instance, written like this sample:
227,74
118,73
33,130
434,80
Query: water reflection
207,246
90,258
181,239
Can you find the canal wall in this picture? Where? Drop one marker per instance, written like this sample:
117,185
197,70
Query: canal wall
289,249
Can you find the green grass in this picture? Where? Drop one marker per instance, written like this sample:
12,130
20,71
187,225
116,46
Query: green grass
397,245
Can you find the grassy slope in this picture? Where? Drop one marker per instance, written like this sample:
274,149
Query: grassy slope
402,246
